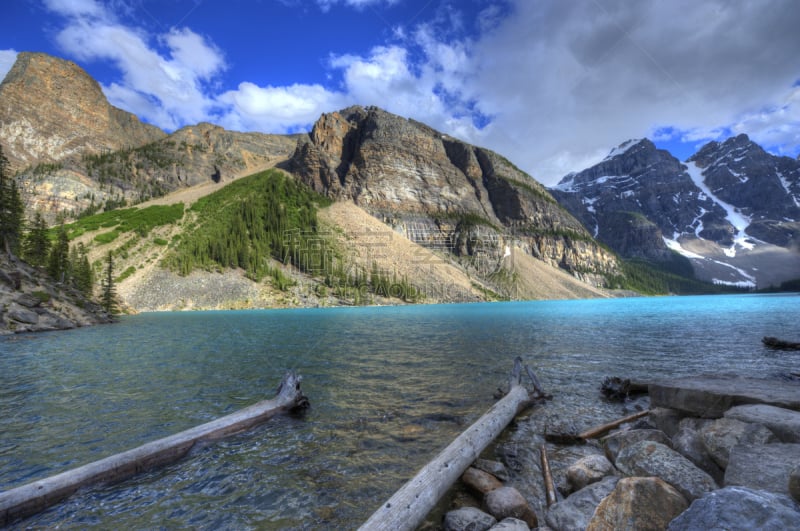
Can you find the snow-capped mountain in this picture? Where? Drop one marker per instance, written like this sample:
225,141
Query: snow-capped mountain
732,208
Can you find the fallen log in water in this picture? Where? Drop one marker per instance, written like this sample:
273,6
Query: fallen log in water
779,344
34,497
409,506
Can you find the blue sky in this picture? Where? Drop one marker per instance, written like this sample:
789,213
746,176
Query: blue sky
551,84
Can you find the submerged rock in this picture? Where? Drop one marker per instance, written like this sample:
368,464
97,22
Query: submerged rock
638,503
739,509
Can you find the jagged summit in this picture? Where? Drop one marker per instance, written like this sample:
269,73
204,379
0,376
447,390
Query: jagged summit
51,108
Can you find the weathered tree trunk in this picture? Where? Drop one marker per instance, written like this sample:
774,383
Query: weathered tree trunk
409,506
34,497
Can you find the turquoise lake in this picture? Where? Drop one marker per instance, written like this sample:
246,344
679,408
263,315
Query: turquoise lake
389,387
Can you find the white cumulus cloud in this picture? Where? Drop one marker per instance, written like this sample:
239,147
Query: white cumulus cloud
550,84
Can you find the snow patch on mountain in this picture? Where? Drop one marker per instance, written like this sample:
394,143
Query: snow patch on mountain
623,148
676,246
734,216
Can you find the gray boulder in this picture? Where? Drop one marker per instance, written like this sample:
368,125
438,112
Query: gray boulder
506,502
725,433
511,524
576,511
784,423
739,509
666,419
710,396
495,468
648,458
794,483
589,469
480,481
762,466
614,443
638,503
468,518
689,443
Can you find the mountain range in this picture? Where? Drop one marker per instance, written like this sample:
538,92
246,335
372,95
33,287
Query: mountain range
732,209
407,200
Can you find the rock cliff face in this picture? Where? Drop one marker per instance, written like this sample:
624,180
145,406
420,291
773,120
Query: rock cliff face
51,108
442,192
732,208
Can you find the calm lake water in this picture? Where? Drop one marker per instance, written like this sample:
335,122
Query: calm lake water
389,387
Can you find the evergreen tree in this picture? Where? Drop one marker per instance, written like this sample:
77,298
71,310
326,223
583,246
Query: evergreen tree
12,211
37,244
81,269
58,261
109,295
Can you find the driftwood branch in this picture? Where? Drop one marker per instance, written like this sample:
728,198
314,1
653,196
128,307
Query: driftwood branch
601,430
34,497
549,487
409,506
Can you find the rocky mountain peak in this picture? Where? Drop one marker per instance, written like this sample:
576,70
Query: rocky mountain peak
735,149
51,108
634,160
732,201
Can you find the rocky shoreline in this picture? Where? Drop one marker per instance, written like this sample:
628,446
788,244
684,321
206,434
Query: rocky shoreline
714,452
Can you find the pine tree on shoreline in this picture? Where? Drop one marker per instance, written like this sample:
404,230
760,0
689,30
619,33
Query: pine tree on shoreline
108,299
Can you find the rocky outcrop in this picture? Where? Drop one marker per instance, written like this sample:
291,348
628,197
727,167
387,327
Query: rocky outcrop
30,301
51,109
441,192
711,395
